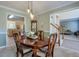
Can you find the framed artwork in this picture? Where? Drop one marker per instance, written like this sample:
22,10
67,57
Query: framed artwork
34,25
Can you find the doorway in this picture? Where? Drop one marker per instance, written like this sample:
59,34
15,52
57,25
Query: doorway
14,24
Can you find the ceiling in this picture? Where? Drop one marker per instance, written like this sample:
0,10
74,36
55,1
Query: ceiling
38,6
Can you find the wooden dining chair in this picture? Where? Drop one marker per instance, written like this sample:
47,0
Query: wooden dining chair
40,35
20,48
50,48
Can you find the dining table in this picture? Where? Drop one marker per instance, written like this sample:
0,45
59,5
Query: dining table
34,43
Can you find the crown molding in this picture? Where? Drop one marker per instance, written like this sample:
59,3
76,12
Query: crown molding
52,9
12,9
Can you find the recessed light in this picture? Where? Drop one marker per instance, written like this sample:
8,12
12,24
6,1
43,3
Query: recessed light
11,16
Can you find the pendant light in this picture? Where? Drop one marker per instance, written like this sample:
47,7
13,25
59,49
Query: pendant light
28,10
31,14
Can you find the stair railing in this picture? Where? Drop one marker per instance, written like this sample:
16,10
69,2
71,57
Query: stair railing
60,29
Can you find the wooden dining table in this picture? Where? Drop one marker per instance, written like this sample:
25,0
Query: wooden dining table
35,44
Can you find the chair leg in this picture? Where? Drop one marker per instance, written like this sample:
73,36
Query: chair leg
17,54
59,42
46,55
52,52
32,55
22,54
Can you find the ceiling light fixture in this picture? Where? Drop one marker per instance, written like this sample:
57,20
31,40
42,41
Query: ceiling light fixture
32,16
30,10
11,16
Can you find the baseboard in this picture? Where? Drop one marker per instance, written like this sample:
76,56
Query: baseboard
2,47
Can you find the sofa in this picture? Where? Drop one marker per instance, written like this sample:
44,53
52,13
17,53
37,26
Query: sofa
76,33
67,32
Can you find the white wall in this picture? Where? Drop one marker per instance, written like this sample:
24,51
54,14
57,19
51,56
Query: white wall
4,12
71,25
70,14
54,19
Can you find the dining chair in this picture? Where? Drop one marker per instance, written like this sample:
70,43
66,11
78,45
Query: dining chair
40,35
50,48
20,48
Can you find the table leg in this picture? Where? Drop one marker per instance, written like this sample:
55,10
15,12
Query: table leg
34,52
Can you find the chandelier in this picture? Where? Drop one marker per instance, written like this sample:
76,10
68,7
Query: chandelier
30,10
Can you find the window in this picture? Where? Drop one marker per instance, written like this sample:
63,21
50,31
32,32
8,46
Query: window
11,25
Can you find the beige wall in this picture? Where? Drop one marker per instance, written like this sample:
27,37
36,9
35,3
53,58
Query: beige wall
43,22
